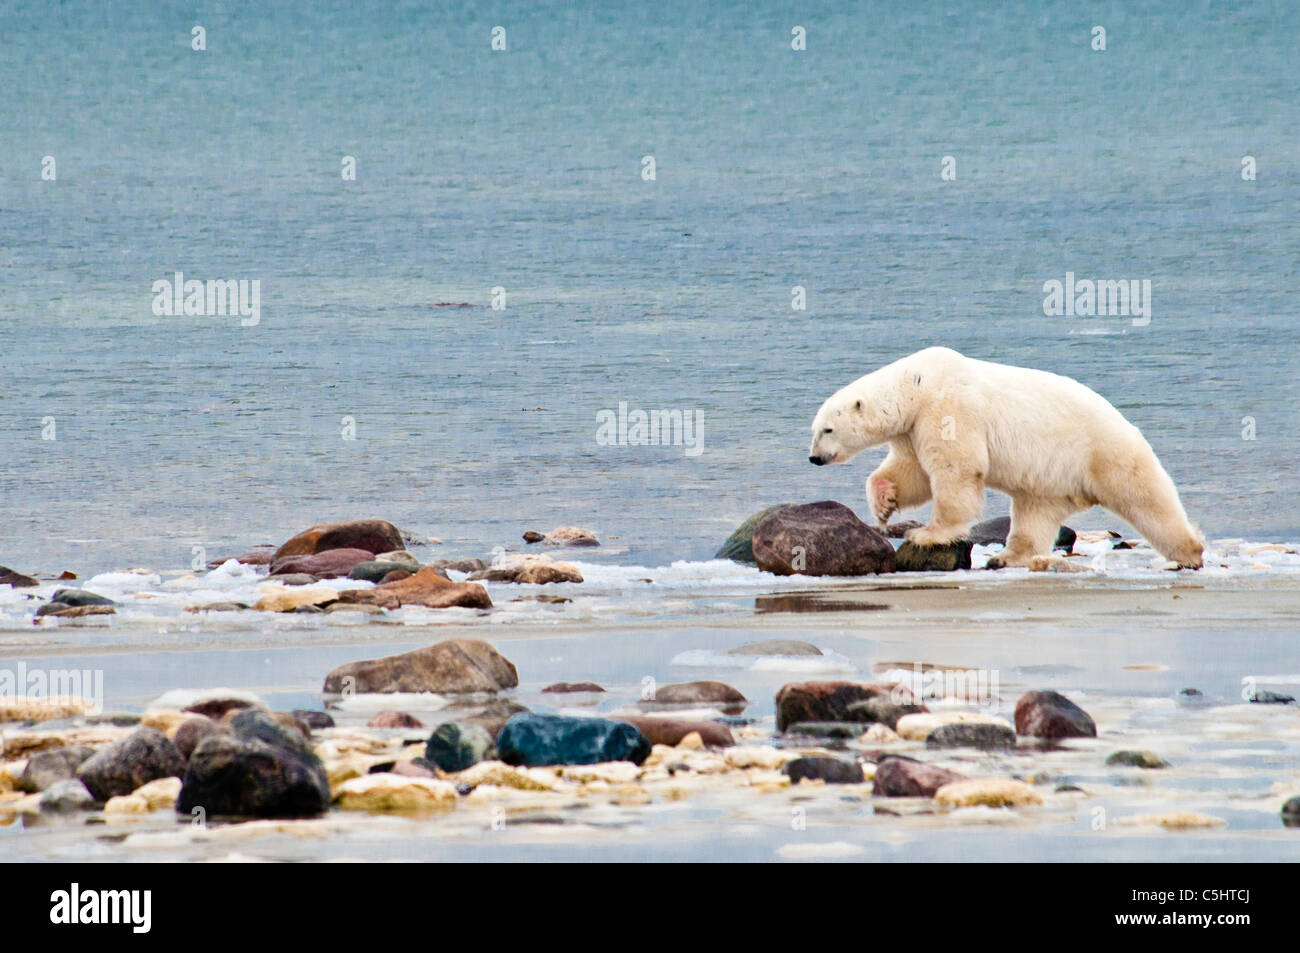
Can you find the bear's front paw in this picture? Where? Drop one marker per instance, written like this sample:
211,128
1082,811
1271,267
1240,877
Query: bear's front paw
882,500
932,536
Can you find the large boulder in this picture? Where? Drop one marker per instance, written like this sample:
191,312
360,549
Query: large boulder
455,746
670,731
538,740
254,768
820,539
739,545
1052,715
698,694
374,536
428,588
843,701
327,565
142,756
457,666
946,558
897,776
996,530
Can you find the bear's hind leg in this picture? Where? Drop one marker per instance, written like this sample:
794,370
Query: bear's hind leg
1158,515
1035,522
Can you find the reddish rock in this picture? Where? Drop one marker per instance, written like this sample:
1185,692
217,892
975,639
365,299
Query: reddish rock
670,731
190,732
394,719
218,707
820,539
426,588
258,557
374,536
843,701
397,575
453,667
9,577
897,776
326,565
409,769
566,688
699,693
1052,715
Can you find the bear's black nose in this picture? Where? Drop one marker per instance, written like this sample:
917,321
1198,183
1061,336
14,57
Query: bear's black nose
817,460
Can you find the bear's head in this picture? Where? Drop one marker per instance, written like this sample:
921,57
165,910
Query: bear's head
838,431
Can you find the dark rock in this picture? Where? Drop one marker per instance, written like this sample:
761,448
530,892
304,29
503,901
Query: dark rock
947,558
327,565
971,735
739,545
1052,715
396,575
80,597
455,746
374,536
826,729
843,701
66,796
1136,759
1291,812
494,717
670,731
457,666
429,587
568,688
830,770
257,768
532,536
296,579
1261,697
897,776
996,530
190,732
899,530
67,574
461,565
784,647
1192,692
143,756
531,573
315,720
51,766
9,577
307,610
374,570
538,740
699,693
820,539
216,708
394,719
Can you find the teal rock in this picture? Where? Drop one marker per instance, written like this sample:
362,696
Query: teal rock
953,556
1136,759
539,740
967,735
739,545
455,746
376,569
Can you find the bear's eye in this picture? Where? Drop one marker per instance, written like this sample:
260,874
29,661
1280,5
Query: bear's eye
827,430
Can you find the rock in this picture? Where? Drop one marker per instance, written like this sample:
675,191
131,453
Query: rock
376,570
216,706
357,607
24,708
125,804
913,558
460,565
327,565
700,693
529,570
415,768
531,739
756,756
1136,759
315,720
494,717
66,796
987,737
1261,697
569,688
897,776
499,774
1291,812
919,727
457,666
782,647
996,530
289,600
401,557
257,557
296,579
1176,820
1048,714
563,536
374,536
456,746
532,536
286,720
219,607
397,575
739,545
987,792
899,530
394,719
190,732
842,701
9,577
80,597
49,767
820,539
830,770
396,794
143,756
826,729
671,731
428,587
60,611
159,794
257,768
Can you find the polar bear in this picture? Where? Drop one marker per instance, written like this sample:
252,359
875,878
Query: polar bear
956,425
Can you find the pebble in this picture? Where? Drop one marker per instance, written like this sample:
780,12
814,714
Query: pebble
394,793
987,792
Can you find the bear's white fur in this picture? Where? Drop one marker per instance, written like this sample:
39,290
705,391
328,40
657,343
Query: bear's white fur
956,425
